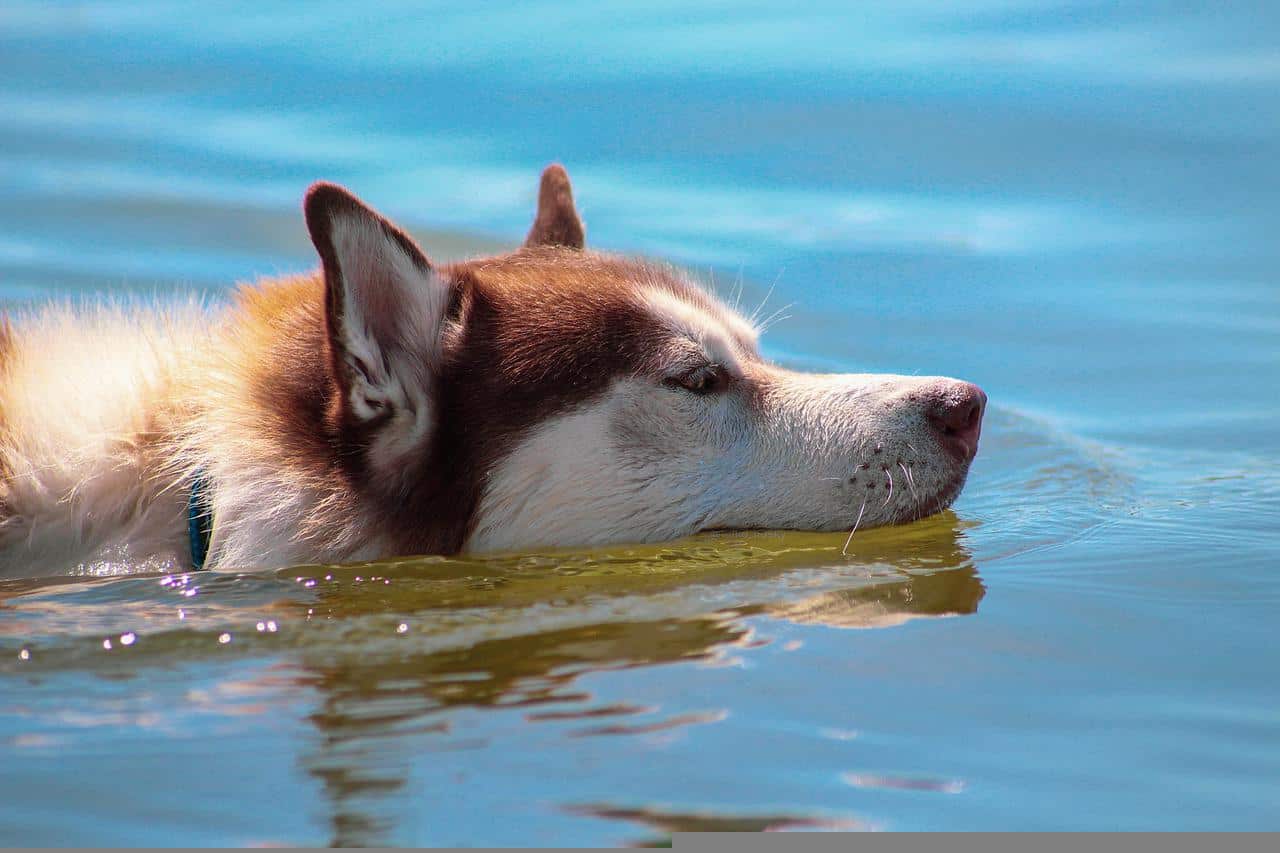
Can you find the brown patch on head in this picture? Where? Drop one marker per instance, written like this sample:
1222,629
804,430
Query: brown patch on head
557,222
542,330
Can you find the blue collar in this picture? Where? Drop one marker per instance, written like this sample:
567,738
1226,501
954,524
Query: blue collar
199,518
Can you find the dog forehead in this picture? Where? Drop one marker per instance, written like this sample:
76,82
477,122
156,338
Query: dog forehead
536,274
552,290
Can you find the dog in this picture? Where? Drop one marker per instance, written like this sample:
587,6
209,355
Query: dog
387,405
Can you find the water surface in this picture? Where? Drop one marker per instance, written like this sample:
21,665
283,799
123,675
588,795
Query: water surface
1073,206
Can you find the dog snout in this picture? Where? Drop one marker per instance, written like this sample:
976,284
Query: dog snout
954,410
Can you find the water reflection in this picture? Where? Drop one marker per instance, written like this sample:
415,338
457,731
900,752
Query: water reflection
668,822
950,593
383,703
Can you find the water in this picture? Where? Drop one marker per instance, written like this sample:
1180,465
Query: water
1074,206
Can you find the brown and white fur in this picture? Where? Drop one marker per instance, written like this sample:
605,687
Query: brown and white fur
385,405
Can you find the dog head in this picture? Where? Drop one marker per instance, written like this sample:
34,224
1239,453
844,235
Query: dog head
558,396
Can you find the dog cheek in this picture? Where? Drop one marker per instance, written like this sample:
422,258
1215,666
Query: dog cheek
669,429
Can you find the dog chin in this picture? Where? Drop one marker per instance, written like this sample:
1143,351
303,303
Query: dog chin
940,502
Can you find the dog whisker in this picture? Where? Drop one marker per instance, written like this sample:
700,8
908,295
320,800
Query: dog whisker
844,552
773,323
756,313
774,318
911,483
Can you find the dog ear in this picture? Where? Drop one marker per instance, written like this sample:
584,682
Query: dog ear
557,222
385,309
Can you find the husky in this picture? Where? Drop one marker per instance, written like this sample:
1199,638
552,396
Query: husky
386,405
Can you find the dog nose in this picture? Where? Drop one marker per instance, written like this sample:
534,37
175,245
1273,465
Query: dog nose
954,409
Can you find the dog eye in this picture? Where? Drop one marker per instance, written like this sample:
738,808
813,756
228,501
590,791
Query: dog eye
705,380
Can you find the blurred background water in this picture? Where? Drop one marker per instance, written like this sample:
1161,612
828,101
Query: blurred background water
1072,204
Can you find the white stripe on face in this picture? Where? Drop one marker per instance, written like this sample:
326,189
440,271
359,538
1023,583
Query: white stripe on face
705,330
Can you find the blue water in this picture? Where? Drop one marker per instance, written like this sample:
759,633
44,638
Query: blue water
1071,204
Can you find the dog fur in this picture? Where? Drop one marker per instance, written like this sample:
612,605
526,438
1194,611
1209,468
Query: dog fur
385,405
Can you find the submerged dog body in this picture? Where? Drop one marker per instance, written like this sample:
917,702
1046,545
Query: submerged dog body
384,405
